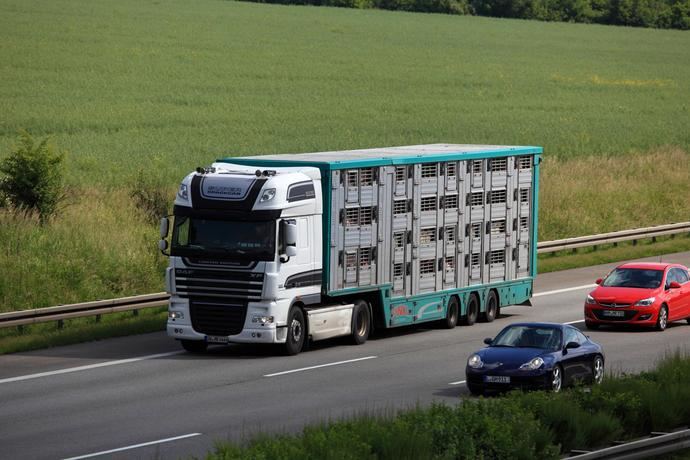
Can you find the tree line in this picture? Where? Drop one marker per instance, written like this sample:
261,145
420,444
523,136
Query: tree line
661,14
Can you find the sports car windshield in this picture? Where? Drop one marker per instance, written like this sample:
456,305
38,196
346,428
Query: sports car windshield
634,278
224,239
547,338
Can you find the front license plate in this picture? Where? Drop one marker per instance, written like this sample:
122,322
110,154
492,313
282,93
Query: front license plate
216,339
613,313
496,379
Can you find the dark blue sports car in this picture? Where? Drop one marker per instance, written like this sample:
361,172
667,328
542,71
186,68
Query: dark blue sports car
534,356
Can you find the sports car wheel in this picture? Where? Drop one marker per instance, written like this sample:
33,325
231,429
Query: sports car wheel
662,318
475,389
556,379
598,370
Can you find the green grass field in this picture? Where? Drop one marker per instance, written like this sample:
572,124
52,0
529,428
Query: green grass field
165,86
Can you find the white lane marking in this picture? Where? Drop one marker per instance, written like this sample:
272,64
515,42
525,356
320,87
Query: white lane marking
90,366
320,365
558,291
160,441
576,321
457,383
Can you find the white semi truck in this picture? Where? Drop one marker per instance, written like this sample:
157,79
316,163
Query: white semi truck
283,249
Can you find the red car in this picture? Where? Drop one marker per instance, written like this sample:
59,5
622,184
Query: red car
644,294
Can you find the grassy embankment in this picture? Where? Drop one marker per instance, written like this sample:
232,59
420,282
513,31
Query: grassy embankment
517,426
162,87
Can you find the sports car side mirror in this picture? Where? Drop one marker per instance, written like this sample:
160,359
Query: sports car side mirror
599,280
571,345
674,285
488,340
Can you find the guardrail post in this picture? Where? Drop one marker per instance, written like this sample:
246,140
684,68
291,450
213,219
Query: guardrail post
98,318
20,329
60,324
135,312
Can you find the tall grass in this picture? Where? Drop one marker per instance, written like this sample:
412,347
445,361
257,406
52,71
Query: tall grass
99,247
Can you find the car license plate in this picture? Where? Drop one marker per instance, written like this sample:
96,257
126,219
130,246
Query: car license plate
216,339
613,313
496,379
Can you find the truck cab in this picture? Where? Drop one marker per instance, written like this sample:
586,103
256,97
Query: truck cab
245,245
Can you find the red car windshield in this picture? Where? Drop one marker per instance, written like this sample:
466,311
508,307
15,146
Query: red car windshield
634,278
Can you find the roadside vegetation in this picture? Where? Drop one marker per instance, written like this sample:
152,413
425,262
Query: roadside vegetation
516,426
140,93
662,14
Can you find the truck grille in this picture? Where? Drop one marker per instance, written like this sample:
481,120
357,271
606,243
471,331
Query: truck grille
240,286
212,318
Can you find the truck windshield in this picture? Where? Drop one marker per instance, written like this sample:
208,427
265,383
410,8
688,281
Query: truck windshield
196,237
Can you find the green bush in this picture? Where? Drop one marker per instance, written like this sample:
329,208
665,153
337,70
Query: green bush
151,196
33,177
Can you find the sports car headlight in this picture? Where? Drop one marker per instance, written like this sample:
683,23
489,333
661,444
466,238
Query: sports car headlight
475,362
590,300
532,365
645,302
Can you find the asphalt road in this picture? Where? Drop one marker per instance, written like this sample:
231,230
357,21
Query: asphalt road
141,397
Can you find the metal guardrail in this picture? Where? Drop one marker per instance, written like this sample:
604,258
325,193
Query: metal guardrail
134,303
613,237
80,310
657,444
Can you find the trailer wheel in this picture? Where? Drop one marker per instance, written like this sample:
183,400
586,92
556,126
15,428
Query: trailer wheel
491,308
472,311
194,346
451,314
361,322
296,332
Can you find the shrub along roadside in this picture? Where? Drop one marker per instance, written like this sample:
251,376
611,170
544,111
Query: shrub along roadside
518,425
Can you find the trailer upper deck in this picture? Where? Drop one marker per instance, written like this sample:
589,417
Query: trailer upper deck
343,159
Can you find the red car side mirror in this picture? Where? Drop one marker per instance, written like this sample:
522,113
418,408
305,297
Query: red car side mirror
599,280
674,285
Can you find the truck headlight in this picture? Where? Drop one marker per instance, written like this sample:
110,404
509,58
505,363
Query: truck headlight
182,192
268,195
532,365
262,319
475,362
645,302
175,315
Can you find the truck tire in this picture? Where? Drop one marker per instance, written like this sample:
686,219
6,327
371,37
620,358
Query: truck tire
194,346
452,312
361,322
296,332
491,308
472,311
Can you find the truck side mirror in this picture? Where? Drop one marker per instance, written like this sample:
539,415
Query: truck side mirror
289,230
163,243
165,226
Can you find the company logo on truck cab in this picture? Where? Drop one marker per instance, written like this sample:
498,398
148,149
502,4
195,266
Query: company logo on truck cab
226,188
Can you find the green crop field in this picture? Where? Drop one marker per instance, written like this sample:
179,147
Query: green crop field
156,88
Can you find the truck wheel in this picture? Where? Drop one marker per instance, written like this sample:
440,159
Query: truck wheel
451,314
491,308
296,332
361,322
472,311
194,346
